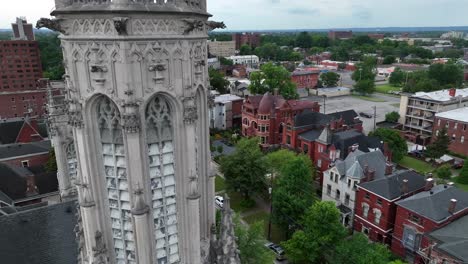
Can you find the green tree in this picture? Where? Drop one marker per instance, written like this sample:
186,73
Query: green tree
217,81
51,165
304,40
51,55
358,250
440,146
245,50
225,62
365,71
444,172
394,140
397,78
250,242
341,66
463,178
321,232
273,77
365,87
330,79
320,41
389,59
277,160
392,117
293,192
245,169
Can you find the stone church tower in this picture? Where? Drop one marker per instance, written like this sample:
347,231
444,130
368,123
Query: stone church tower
136,150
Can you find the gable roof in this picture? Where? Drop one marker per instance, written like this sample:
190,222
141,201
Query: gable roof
345,139
434,204
40,235
311,135
310,118
9,131
22,149
390,187
374,160
349,116
453,239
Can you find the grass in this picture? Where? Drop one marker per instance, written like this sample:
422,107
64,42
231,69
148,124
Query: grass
369,98
277,236
462,186
220,184
386,88
415,164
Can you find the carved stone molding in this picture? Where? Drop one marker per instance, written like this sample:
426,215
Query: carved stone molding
75,115
190,110
193,193
100,250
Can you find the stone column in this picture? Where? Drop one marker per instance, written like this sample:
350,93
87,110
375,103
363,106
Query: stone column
193,195
140,214
63,178
89,216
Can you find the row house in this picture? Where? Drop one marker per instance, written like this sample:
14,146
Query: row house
340,181
375,210
264,116
305,78
423,213
456,123
448,244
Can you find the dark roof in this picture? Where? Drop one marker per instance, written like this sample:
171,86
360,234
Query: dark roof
309,118
434,204
391,187
5,198
9,131
22,149
42,129
453,239
349,116
311,135
374,160
41,235
345,139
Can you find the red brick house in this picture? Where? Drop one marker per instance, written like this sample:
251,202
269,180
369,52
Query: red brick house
25,154
22,130
264,116
423,213
249,39
305,79
375,207
456,122
448,244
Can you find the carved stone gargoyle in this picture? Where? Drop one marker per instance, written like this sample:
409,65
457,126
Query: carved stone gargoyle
120,24
193,24
52,24
212,25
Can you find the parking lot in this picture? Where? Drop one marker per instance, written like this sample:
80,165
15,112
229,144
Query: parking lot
343,103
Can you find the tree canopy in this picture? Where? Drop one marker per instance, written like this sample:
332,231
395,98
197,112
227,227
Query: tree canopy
330,79
250,242
392,117
217,81
273,77
397,78
304,40
463,178
51,55
358,250
245,169
395,142
440,146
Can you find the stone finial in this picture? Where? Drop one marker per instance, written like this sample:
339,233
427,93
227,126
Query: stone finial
139,207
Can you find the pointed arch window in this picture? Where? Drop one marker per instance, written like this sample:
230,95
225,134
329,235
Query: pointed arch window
160,140
115,170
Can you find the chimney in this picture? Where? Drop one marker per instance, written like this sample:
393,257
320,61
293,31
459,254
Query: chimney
453,92
388,168
370,174
453,204
31,188
404,186
429,184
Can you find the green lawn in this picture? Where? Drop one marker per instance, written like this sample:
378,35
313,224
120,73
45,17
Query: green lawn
220,184
386,88
277,236
369,98
415,164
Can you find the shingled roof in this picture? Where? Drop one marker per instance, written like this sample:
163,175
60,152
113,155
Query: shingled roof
453,239
22,149
391,187
40,235
434,204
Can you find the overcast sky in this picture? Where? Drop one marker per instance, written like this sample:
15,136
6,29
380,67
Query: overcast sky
297,14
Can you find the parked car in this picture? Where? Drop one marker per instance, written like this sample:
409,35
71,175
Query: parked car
219,201
366,115
279,251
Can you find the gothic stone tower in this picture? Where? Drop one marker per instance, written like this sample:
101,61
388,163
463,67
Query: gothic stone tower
136,77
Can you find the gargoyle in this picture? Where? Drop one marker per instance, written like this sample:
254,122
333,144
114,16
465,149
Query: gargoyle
52,24
212,25
193,24
120,24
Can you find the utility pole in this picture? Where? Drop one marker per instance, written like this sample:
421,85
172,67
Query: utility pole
375,117
324,104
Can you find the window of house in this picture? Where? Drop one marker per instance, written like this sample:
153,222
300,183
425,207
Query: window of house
336,177
455,126
462,139
338,195
25,163
365,210
305,148
379,201
447,125
365,231
319,163
349,183
377,216
454,137
331,175
438,122
414,218
367,196
347,198
329,188
437,133
464,127
288,140
12,99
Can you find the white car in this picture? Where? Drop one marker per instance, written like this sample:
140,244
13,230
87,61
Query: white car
219,200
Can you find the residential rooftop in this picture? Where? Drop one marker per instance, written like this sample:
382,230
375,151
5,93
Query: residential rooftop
453,239
226,98
460,114
442,95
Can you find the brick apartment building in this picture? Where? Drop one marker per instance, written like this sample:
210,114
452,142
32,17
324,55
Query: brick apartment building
456,123
221,48
375,207
423,213
226,112
306,78
334,35
251,39
264,116
20,69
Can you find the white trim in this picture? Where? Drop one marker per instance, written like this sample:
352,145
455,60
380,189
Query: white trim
24,156
373,224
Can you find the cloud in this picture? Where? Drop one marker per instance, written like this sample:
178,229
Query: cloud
303,11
